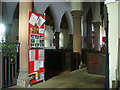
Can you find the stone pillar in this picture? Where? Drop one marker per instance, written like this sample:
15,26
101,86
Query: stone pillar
85,34
1,64
89,35
24,8
77,31
57,40
113,10
0,12
97,36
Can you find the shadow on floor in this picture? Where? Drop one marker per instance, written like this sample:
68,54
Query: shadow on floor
49,73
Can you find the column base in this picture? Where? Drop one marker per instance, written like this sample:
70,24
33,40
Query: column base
23,79
116,84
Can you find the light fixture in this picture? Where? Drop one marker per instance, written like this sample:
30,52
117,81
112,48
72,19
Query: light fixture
2,32
2,28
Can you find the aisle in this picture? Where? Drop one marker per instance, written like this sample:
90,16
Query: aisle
76,79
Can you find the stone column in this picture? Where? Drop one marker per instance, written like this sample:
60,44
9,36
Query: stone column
0,12
57,40
97,36
1,64
24,8
85,34
77,31
89,35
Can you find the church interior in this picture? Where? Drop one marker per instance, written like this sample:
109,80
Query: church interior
77,36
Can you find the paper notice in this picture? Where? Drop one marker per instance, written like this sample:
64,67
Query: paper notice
41,31
32,76
31,55
41,54
41,63
36,65
33,19
40,76
40,21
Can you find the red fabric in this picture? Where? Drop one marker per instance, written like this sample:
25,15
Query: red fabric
36,54
104,39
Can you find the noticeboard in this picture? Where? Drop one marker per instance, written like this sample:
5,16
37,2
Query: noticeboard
36,47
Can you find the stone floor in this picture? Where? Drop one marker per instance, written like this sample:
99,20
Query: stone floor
76,79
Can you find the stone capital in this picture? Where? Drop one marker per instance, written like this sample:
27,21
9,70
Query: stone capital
57,32
76,13
96,24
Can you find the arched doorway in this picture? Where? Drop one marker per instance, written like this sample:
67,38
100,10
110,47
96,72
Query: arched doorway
64,39
49,29
50,61
54,57
15,25
10,60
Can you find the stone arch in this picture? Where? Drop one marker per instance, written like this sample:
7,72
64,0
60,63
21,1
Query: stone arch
42,7
69,22
89,15
87,6
4,12
15,25
8,13
10,7
56,25
50,27
65,29
16,11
